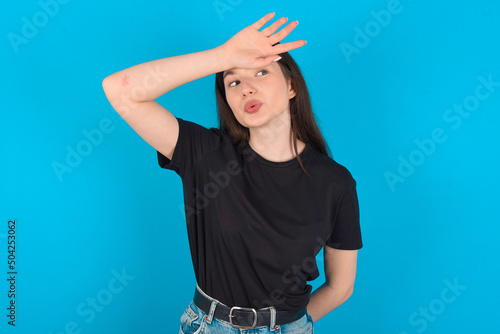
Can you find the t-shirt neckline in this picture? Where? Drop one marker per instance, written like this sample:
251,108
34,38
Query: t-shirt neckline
264,161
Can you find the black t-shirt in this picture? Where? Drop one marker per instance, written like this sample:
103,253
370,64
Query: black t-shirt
255,226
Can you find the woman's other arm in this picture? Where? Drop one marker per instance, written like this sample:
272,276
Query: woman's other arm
340,272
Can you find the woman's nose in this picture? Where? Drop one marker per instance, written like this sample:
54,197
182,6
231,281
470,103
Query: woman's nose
247,89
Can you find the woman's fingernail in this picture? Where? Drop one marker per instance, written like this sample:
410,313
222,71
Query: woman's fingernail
277,59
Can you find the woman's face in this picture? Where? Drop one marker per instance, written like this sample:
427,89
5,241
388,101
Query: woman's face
266,85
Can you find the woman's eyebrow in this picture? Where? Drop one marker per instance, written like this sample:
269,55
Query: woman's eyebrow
227,73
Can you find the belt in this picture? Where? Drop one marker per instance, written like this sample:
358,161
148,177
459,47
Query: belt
244,317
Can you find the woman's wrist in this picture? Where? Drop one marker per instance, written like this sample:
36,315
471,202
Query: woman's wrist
223,57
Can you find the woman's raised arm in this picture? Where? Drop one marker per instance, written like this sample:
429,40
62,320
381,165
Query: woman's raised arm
132,91
249,48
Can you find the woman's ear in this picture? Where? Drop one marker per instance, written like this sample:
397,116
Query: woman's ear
291,89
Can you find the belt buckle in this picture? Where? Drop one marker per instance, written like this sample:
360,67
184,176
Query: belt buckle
245,309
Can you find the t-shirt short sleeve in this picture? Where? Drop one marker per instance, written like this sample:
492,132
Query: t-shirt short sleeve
193,144
346,232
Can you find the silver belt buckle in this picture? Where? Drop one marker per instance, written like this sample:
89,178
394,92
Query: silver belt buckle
246,309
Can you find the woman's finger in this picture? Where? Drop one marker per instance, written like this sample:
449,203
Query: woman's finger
260,23
285,47
283,32
273,27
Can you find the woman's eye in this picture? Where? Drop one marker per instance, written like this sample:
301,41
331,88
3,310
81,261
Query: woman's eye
231,83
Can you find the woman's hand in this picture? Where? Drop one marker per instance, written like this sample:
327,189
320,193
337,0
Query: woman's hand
251,48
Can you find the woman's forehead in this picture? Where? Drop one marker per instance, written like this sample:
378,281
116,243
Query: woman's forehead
238,70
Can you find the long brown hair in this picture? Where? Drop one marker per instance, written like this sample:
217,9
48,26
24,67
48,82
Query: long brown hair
303,122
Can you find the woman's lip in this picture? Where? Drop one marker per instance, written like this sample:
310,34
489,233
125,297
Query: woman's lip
253,108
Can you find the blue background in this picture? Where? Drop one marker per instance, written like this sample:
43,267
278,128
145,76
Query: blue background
117,210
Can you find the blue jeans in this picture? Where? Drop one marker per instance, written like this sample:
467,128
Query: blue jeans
196,321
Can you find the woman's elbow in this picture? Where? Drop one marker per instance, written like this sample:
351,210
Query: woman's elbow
349,292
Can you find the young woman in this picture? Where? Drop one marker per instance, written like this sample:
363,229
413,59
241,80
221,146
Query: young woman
262,194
